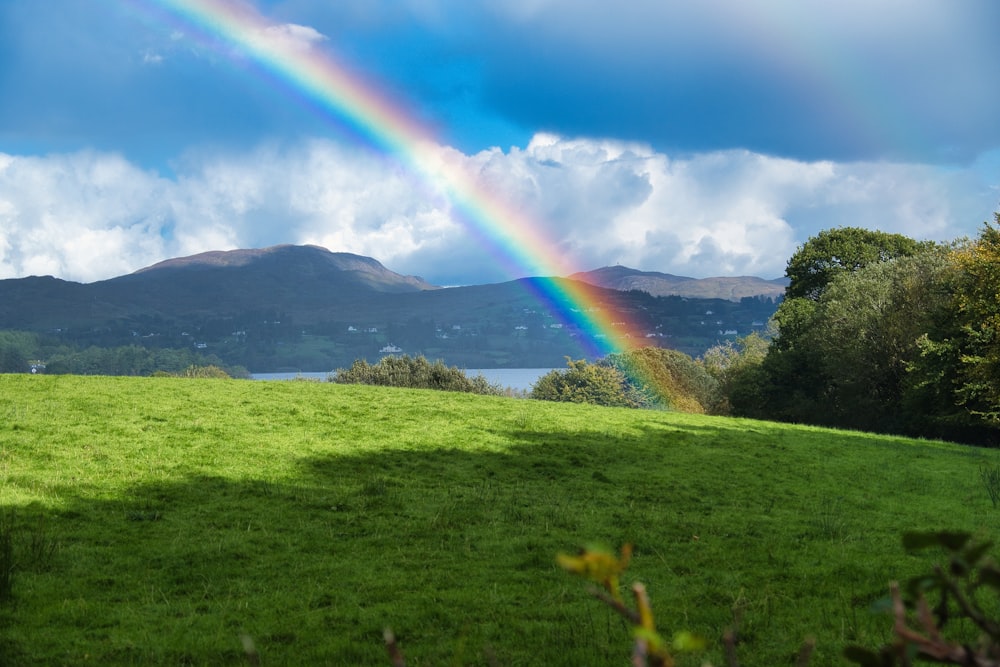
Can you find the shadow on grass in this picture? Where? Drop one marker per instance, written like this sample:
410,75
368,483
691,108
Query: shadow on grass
453,548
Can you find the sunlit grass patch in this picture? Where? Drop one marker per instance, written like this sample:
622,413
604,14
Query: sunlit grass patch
308,516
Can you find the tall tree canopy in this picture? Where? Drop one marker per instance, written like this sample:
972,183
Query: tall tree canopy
848,327
836,251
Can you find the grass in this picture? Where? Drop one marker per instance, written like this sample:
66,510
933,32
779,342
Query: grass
159,521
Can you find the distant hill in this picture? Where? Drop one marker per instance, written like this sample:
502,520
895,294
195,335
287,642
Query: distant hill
308,308
665,284
287,277
284,278
286,264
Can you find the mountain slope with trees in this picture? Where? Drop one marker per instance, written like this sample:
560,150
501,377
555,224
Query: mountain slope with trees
665,284
306,308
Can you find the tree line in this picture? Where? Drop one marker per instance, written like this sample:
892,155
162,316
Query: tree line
23,352
877,332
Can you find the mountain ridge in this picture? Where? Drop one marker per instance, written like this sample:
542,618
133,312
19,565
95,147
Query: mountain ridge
732,288
307,307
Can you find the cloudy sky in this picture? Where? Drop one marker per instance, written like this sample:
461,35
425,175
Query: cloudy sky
695,138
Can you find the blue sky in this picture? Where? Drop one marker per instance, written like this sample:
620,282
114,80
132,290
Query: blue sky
699,139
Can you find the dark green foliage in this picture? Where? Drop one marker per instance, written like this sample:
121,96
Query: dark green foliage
835,251
957,376
881,347
133,360
583,382
801,378
868,324
414,373
665,379
649,377
735,365
17,348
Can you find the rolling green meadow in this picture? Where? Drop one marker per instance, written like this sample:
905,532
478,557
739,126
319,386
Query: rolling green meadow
162,521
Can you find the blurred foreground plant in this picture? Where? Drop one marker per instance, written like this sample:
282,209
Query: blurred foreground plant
965,591
650,649
602,567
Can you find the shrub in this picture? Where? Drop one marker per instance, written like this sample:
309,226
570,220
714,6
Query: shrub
665,379
205,372
414,373
583,382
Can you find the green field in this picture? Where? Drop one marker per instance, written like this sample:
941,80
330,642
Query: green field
158,521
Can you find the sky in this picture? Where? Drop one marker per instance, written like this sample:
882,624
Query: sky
705,138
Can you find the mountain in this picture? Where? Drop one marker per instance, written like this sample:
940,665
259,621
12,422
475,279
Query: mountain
665,284
285,278
284,265
308,308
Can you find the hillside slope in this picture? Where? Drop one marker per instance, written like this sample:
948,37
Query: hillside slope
172,517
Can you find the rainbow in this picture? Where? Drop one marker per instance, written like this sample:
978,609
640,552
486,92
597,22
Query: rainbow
513,236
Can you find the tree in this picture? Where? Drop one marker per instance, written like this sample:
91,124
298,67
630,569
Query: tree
794,381
735,365
834,251
978,314
955,382
666,379
16,348
868,324
583,382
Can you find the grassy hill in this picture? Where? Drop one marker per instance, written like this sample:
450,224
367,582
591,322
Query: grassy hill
157,521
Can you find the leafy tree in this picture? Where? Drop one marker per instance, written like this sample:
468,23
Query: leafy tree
867,328
665,379
835,251
822,339
735,365
583,382
978,314
16,349
955,382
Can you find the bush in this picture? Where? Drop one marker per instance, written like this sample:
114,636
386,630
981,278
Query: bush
414,373
582,382
665,379
205,372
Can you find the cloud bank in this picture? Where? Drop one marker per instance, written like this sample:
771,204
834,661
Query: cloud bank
93,215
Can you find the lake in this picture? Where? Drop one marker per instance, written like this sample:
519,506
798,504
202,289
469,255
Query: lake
515,378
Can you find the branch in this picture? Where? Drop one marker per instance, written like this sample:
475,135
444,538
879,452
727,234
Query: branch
805,653
729,640
392,647
933,646
973,612
619,606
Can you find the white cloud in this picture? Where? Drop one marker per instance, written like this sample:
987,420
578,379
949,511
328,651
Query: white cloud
89,216
287,37
84,216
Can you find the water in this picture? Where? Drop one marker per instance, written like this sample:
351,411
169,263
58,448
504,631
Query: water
520,379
